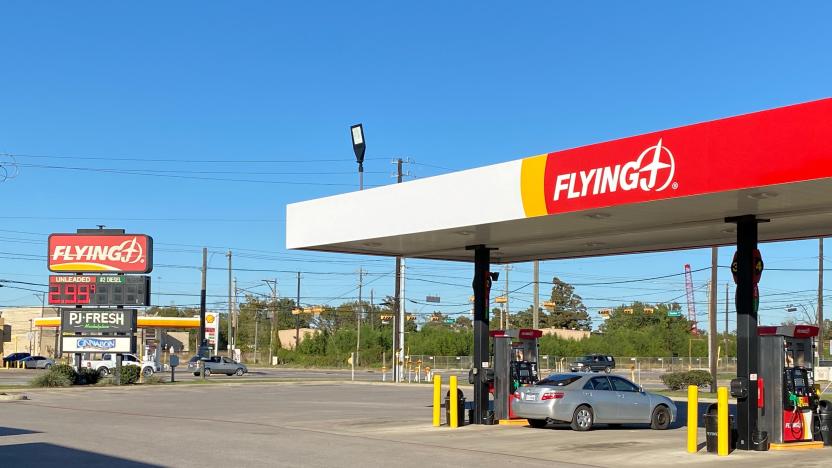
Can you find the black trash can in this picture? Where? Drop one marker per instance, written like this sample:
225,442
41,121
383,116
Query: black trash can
460,413
824,416
712,427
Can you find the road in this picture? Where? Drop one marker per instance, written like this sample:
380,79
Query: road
313,424
18,377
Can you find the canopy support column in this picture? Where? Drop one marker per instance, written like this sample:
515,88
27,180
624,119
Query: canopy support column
481,285
748,341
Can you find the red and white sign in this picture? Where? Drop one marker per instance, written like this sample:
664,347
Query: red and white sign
84,253
212,329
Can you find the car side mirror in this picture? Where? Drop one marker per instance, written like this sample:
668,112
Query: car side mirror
640,389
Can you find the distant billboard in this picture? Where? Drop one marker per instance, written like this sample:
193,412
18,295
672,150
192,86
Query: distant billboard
85,253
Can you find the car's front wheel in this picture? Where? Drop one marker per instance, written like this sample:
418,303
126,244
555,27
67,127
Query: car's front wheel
48,366
582,419
207,372
537,423
239,371
104,371
147,371
608,369
660,420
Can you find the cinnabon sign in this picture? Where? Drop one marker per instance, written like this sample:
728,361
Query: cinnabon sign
83,253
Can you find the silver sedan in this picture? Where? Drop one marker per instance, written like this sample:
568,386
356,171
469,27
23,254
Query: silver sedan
37,362
583,400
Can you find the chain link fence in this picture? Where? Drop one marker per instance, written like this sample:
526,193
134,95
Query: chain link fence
551,363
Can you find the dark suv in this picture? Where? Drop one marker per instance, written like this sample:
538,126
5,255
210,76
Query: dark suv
593,363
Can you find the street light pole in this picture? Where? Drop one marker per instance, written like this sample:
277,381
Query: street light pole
359,147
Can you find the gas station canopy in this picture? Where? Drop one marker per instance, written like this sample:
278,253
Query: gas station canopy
665,190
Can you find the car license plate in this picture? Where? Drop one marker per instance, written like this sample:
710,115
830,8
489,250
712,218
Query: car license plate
531,397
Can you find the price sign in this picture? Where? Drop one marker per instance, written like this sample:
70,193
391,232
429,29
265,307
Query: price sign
103,290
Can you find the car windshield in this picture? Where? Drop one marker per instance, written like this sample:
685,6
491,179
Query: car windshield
559,380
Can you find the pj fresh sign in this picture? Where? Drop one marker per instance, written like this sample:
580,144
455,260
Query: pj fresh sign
98,321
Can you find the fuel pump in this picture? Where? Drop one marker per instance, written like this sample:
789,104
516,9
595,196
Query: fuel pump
515,365
785,384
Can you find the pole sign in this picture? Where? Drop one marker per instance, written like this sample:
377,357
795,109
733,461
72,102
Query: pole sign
97,344
87,253
98,321
212,328
99,290
758,266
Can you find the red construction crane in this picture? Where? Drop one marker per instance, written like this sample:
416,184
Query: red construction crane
691,303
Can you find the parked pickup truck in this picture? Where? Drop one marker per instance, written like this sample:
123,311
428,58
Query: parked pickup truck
108,361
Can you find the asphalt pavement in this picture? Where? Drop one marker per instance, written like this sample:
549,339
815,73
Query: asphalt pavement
314,424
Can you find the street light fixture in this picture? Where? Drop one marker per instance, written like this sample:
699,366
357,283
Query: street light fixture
358,146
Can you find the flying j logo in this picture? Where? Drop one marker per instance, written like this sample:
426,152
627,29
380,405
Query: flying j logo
736,153
567,183
79,253
629,176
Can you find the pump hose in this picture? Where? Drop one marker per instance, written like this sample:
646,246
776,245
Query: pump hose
795,417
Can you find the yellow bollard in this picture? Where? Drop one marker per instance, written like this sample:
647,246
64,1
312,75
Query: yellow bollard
437,400
454,422
722,421
693,422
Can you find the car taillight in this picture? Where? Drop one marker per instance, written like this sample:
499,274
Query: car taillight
552,396
517,394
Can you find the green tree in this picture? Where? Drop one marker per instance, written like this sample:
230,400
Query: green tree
569,310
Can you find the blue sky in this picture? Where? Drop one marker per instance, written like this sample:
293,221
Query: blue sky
197,122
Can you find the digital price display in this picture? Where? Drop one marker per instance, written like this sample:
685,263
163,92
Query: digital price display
104,290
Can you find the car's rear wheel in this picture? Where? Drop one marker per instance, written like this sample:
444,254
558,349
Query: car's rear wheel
582,418
660,420
207,372
239,371
537,423
104,371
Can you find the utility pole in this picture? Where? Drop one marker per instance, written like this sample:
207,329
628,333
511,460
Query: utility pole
297,317
725,338
236,315
536,311
370,312
397,343
230,309
202,305
712,337
506,315
358,311
273,286
820,298
402,320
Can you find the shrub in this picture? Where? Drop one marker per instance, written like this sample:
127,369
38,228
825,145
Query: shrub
153,380
700,378
52,379
679,380
129,374
87,377
65,370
